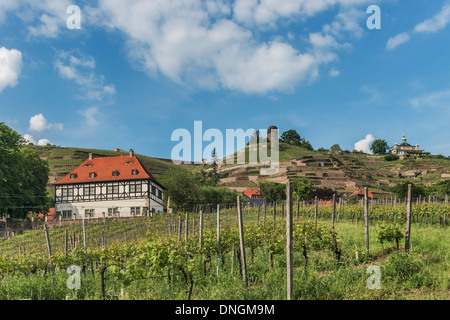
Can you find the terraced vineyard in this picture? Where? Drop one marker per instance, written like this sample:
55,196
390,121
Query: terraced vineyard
343,172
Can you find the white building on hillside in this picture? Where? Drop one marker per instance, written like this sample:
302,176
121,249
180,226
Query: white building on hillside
100,187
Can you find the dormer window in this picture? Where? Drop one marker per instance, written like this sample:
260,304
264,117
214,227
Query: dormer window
134,172
87,165
129,162
115,173
73,175
92,174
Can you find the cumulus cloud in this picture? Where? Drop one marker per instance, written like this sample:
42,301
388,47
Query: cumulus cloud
81,69
39,123
215,43
30,139
211,44
364,144
43,142
10,67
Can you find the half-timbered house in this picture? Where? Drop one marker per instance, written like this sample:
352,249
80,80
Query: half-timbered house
100,187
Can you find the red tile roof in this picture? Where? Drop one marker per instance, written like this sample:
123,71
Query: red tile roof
250,193
361,193
50,214
103,168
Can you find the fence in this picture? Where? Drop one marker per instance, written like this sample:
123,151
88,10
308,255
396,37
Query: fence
114,230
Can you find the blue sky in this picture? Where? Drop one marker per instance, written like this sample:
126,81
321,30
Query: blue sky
138,70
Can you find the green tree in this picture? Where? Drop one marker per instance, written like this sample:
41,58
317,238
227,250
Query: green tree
23,176
273,191
441,189
182,187
293,137
379,146
335,148
302,188
401,190
214,195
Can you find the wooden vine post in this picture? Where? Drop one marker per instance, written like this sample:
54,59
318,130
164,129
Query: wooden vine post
289,270
333,214
186,228
49,247
200,237
316,211
218,240
366,217
408,218
180,222
241,241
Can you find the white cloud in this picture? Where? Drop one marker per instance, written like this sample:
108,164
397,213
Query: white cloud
51,16
364,144
399,39
90,115
334,73
49,27
215,44
10,67
205,43
266,13
43,142
39,123
437,22
80,68
30,139
347,21
439,99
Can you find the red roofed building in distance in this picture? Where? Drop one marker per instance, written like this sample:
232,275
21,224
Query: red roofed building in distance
50,214
108,187
252,193
360,193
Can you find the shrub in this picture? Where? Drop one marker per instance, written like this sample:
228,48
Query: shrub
391,157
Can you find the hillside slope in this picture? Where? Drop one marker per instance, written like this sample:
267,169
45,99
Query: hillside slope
343,172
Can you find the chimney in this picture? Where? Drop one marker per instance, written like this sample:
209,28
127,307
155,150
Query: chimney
131,152
90,156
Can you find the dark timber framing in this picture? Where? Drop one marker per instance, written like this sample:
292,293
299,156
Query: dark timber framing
109,190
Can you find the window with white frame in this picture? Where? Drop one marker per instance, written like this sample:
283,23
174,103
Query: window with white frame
89,213
67,214
136,211
113,212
